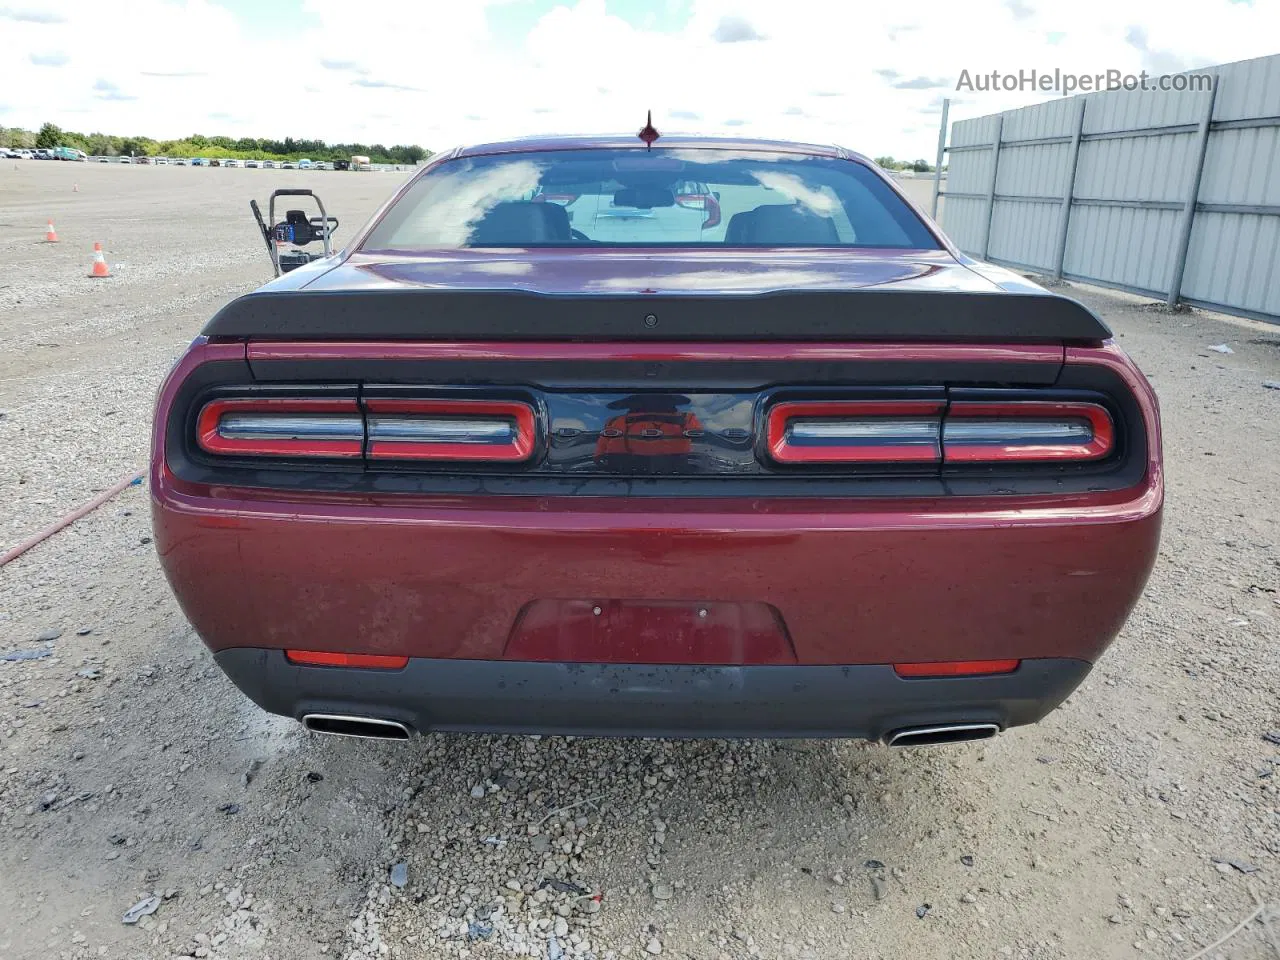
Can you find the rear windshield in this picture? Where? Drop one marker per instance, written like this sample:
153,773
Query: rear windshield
660,198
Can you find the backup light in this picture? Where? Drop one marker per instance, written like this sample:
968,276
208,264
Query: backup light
488,430
1026,430
855,431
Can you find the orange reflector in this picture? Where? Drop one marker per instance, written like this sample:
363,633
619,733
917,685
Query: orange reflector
956,668
324,658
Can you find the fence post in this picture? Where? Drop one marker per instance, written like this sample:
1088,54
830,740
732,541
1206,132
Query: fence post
1193,195
942,148
1064,215
991,189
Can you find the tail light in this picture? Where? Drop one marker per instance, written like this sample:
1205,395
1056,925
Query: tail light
856,431
496,431
911,431
702,201
955,668
1027,430
921,432
489,430
281,427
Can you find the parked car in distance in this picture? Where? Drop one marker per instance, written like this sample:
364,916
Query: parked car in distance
268,164
252,164
124,160
304,164
199,162
179,161
288,165
215,162
144,161
104,159
808,472
231,163
69,153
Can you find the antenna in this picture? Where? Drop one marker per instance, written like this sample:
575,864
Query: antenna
648,134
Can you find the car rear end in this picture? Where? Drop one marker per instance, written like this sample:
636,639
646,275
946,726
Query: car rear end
895,499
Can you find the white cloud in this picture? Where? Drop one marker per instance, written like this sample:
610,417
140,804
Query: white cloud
29,15
434,72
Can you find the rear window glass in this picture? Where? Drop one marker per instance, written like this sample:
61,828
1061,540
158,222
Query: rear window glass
674,197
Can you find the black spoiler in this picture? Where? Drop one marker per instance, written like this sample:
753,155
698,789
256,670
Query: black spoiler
434,314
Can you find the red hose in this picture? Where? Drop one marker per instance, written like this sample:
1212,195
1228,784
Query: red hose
71,517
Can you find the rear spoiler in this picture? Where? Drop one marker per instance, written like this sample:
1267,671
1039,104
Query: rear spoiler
434,314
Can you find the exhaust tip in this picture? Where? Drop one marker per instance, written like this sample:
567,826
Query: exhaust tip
366,728
944,733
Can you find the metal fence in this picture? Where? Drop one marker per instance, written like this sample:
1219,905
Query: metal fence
1168,194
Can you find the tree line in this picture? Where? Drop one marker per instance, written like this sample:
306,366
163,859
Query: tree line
197,145
916,166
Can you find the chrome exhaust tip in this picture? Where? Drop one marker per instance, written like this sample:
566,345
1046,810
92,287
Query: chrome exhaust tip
943,733
366,728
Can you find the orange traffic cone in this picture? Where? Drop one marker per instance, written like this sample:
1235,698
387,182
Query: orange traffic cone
51,235
99,263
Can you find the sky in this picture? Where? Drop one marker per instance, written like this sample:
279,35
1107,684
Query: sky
869,76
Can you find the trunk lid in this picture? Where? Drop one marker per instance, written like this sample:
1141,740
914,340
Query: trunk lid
638,295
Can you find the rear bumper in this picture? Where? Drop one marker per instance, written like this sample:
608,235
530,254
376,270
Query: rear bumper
867,583
863,701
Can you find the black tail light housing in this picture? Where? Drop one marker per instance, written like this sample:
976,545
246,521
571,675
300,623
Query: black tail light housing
598,436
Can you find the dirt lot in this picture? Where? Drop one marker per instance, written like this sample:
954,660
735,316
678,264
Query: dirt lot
1143,818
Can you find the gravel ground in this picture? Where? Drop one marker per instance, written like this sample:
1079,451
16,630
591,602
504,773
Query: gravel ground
1142,818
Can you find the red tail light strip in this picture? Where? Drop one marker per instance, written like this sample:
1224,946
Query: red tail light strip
955,668
855,431
281,427
324,658
1026,430
497,431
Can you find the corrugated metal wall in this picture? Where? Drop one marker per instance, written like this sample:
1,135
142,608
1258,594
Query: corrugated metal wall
1127,161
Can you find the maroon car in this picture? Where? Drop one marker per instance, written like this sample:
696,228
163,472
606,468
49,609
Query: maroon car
796,468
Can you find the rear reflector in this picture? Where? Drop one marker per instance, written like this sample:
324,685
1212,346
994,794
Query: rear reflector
323,658
1026,431
281,427
956,668
856,431
486,430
